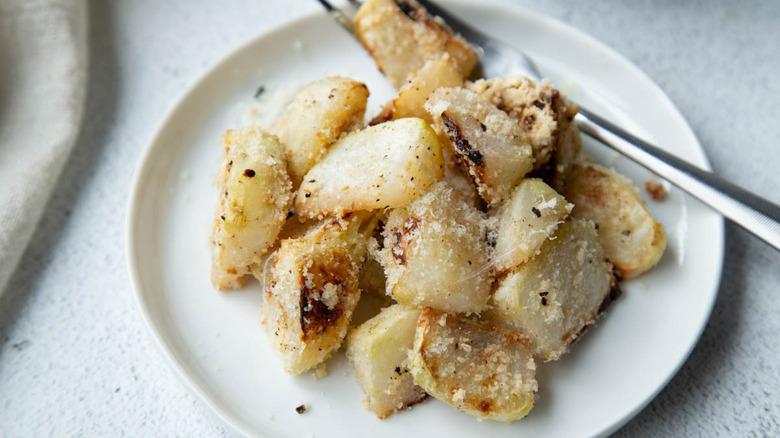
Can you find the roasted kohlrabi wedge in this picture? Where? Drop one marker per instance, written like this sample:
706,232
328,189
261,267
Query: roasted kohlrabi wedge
320,113
491,146
633,239
312,290
385,165
255,197
379,352
525,222
434,253
482,370
401,37
554,297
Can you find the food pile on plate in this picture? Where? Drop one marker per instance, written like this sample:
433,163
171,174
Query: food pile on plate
466,204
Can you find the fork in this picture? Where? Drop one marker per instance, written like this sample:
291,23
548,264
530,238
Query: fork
754,213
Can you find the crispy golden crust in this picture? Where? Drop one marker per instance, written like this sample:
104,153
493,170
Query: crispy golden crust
545,116
633,240
482,370
401,37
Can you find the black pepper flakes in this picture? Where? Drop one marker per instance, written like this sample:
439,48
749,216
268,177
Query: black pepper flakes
544,297
300,409
307,195
249,173
536,211
398,370
260,91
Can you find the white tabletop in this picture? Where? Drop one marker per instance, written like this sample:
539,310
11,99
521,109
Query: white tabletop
76,358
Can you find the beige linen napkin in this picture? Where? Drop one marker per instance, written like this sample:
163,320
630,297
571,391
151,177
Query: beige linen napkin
43,69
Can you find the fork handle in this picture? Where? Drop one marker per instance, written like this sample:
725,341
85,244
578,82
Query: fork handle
754,213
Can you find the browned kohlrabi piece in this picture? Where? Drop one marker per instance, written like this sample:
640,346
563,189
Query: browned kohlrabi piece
555,296
485,371
633,239
379,352
381,166
312,290
255,196
319,114
490,145
401,36
545,116
434,253
435,73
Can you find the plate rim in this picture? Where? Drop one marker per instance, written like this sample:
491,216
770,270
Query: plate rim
145,164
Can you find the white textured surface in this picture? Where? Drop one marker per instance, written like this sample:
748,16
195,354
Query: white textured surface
76,359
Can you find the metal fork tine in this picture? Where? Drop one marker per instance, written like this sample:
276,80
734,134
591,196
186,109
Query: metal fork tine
343,19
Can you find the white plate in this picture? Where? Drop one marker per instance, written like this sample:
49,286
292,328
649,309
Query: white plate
214,339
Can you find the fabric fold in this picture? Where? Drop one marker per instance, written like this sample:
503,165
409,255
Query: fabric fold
43,77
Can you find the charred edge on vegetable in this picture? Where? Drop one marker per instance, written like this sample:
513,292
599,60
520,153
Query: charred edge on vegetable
572,339
528,122
316,316
461,144
486,406
614,293
402,239
384,116
417,13
411,403
552,104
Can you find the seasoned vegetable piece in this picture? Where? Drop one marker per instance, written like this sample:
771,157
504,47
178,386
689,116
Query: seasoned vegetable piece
255,196
434,253
545,116
436,73
482,370
492,148
312,290
386,165
401,37
318,115
525,222
379,352
557,295
633,240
